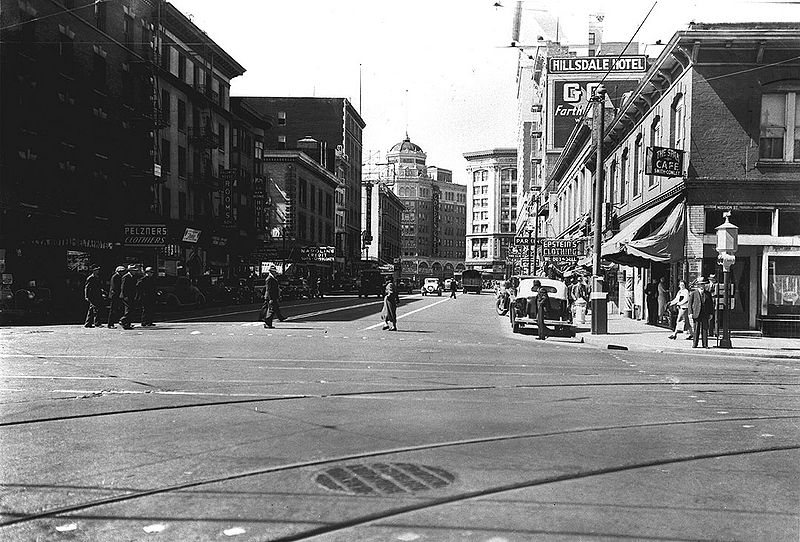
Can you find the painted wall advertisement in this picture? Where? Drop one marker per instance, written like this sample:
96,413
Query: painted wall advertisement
571,98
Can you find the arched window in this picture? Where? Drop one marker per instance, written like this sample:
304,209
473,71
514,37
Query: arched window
677,123
623,176
655,140
637,161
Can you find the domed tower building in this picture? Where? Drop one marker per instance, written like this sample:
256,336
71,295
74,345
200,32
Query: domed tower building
433,225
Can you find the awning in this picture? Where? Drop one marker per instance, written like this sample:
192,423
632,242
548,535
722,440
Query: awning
664,245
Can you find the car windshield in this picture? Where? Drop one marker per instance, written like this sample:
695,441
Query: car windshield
525,288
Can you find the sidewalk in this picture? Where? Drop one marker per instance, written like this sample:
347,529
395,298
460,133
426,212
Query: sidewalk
627,334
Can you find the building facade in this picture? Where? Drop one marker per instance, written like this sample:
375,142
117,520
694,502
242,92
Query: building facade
77,161
434,220
718,106
385,215
492,209
337,128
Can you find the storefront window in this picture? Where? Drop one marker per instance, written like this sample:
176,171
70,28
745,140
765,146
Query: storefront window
788,223
784,285
753,222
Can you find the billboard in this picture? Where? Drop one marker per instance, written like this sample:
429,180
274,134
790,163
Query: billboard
571,98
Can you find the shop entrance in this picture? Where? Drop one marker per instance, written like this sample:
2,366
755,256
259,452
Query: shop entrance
740,278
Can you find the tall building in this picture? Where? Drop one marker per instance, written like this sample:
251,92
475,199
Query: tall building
492,214
382,240
434,220
203,199
337,128
78,118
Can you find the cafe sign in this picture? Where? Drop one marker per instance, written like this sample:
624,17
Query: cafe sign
664,162
144,235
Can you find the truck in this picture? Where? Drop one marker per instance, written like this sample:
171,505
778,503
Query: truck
370,282
471,281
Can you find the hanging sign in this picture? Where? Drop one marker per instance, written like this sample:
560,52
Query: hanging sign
664,162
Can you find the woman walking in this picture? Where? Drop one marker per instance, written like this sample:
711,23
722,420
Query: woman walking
389,312
681,301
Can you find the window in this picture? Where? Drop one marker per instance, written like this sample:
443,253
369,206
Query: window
677,123
182,205
623,176
788,223
182,162
302,193
221,137
66,50
752,222
592,38
181,67
100,12
259,150
783,291
480,176
281,142
166,155
181,115
281,118
780,126
637,159
99,71
127,30
165,106
655,140
165,54
166,202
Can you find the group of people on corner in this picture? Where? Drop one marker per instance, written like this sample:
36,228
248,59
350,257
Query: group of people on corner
125,288
695,311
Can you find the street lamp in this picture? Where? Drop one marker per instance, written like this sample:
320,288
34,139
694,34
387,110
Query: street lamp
727,245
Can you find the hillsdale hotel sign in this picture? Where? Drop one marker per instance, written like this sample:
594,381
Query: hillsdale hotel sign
575,79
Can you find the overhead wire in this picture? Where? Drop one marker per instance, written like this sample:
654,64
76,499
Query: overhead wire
61,12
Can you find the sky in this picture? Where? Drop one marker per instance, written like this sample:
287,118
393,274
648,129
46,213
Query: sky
440,70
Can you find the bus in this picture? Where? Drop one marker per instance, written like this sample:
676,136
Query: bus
471,281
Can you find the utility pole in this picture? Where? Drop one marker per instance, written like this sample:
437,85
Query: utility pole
598,297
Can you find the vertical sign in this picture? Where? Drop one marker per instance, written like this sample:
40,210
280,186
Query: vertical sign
258,204
228,176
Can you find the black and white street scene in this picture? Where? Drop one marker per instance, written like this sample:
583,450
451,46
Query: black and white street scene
443,270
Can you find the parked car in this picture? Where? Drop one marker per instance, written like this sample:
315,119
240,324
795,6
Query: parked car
522,307
173,293
431,286
405,286
448,283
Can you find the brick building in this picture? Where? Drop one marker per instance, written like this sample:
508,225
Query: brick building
724,98
336,127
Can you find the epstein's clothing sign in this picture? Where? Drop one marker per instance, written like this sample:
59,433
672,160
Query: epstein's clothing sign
664,162
566,249
144,235
571,99
228,176
597,64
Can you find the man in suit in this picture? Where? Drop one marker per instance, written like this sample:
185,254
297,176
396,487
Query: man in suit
272,295
93,292
146,288
701,306
114,293
128,295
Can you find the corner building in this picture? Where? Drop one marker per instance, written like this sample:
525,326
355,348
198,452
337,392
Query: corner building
725,98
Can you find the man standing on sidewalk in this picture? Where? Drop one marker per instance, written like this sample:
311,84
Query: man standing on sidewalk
651,296
128,294
114,294
701,306
93,292
272,295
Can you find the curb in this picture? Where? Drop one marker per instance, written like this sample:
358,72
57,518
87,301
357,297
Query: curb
713,351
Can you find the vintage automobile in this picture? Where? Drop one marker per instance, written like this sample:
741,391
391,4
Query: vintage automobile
405,286
432,286
174,293
472,281
522,306
448,282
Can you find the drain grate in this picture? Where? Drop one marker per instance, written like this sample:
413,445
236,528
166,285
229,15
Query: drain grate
384,478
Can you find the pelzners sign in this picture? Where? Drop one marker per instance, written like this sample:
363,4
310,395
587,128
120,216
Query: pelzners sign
664,162
144,235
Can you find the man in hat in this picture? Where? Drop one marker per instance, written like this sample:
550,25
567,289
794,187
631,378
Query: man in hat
93,292
115,296
701,306
712,289
272,295
146,288
128,295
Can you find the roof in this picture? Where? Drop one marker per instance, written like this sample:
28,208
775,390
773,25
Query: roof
406,146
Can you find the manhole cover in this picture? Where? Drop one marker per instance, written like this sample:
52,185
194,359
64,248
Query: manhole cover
384,478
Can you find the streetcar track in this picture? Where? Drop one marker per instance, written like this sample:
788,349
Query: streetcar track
370,518
375,517
362,393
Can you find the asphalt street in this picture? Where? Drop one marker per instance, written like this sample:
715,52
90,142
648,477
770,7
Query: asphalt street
210,427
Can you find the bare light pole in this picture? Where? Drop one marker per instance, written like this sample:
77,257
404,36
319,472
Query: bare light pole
598,297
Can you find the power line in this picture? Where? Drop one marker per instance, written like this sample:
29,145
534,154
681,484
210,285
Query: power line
61,12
